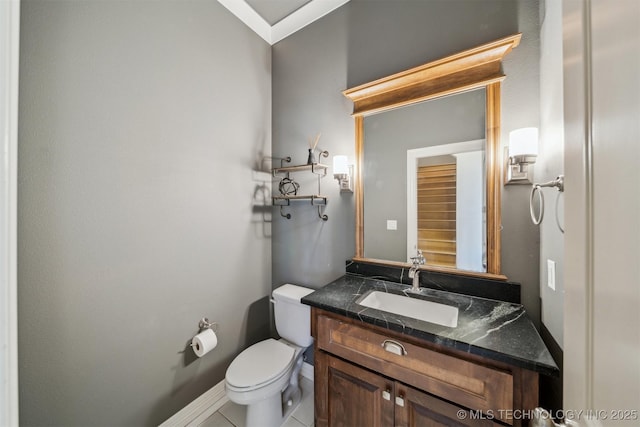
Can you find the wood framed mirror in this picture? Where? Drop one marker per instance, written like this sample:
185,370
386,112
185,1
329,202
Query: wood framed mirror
477,69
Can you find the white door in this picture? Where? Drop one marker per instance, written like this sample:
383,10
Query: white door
602,210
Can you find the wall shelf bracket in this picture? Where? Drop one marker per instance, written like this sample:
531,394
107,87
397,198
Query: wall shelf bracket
318,169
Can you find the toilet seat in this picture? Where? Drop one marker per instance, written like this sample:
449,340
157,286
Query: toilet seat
260,364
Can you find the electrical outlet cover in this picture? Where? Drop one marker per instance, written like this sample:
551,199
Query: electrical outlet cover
551,274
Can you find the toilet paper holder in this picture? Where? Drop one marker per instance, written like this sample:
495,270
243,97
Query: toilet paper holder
205,324
205,340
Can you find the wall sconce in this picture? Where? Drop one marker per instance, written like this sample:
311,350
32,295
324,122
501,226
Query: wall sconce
343,172
521,152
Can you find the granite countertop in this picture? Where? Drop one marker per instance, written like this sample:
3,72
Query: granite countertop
493,329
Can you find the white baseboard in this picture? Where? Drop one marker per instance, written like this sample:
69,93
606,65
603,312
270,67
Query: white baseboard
200,409
307,371
196,412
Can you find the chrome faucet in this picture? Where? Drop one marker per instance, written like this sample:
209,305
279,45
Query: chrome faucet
414,271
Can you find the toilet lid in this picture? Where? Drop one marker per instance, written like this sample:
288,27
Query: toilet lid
259,363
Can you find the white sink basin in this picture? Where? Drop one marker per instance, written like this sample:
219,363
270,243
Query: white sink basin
428,311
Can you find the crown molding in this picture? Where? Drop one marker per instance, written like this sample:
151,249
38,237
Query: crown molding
297,20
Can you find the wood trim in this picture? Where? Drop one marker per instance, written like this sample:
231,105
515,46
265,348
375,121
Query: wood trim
359,186
493,178
480,67
470,69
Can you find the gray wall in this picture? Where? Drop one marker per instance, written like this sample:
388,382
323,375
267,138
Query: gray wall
365,40
141,124
310,70
550,165
521,108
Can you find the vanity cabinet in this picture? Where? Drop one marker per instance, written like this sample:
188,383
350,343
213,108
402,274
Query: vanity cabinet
366,375
359,397
355,396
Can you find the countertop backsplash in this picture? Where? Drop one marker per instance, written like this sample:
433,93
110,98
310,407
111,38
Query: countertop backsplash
460,284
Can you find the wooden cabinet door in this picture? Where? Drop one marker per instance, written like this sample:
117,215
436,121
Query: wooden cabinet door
357,397
415,408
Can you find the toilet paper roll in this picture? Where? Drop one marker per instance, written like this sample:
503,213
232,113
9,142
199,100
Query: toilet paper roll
204,342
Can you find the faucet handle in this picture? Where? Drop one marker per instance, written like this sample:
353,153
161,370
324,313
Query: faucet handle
418,259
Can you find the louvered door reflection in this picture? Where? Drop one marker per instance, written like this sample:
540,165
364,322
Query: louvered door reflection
437,214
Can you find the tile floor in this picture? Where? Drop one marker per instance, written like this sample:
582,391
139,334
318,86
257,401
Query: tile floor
232,415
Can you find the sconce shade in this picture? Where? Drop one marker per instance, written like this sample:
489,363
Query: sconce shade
521,153
523,142
343,172
340,165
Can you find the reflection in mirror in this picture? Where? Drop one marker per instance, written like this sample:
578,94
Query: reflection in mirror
442,213
460,75
446,205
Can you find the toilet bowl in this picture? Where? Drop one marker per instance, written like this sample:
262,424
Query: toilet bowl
265,375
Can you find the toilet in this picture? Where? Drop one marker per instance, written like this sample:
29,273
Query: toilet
265,376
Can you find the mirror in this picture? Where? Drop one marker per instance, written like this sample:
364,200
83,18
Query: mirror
449,112
442,213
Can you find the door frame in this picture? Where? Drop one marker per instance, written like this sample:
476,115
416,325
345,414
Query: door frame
412,182
9,64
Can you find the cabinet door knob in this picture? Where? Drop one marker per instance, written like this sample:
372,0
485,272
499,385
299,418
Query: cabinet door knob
400,400
386,395
394,347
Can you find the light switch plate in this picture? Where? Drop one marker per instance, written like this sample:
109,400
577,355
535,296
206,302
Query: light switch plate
551,274
392,224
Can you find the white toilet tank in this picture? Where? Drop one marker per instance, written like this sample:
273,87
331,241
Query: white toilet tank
293,319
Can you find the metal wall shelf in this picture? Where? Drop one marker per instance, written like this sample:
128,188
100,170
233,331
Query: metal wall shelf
318,199
302,197
317,168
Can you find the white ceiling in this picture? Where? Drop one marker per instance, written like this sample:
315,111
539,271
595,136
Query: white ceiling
274,11
273,20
